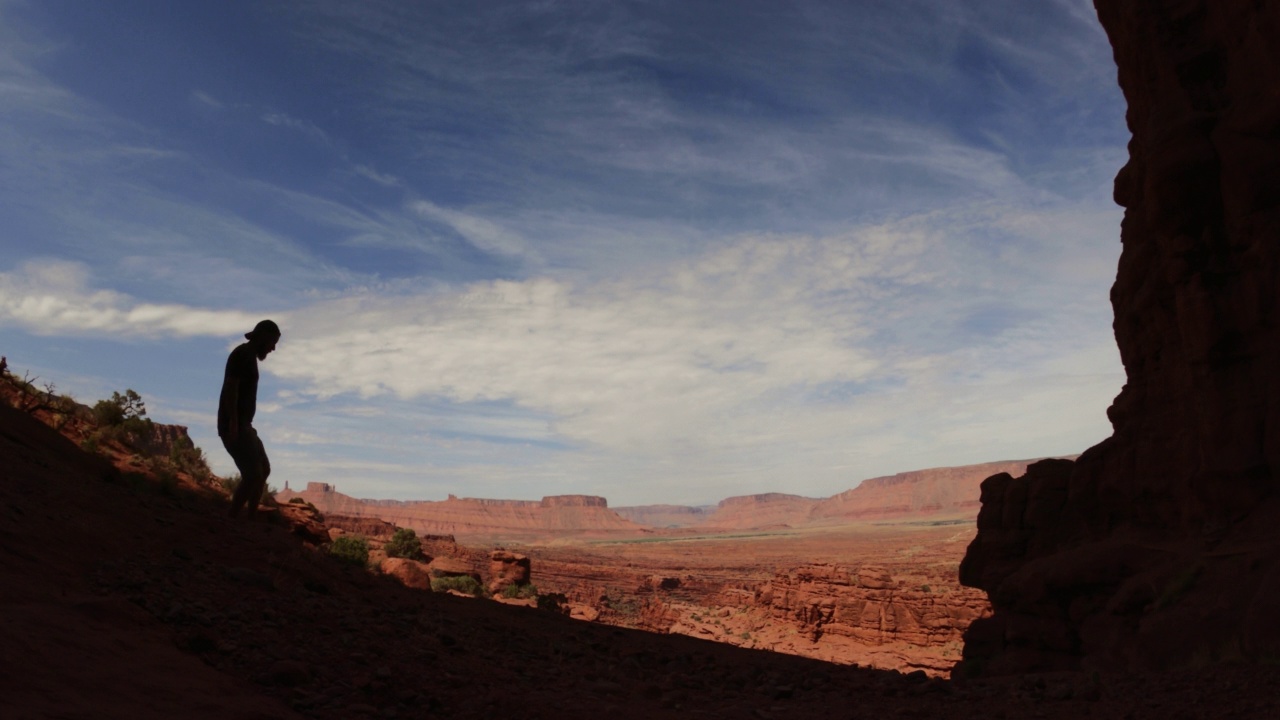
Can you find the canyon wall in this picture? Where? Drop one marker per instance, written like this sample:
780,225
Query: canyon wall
475,519
1157,548
919,492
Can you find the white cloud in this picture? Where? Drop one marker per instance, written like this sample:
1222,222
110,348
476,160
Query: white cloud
53,297
485,234
708,354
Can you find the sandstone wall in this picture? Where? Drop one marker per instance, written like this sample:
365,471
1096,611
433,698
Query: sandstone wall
1157,548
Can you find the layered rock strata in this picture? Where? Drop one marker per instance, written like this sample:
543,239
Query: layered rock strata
475,519
915,493
1158,547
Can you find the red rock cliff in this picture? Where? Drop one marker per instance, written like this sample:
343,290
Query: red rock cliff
919,492
477,519
1157,548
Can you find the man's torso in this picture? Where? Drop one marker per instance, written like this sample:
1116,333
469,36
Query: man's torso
242,365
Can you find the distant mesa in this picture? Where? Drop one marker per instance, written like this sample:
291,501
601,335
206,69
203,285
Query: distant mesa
935,492
919,493
478,519
766,510
666,516
950,492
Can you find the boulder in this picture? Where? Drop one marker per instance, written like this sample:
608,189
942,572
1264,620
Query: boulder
506,569
450,567
410,573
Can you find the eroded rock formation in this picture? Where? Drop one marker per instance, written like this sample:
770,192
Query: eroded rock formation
864,615
1158,547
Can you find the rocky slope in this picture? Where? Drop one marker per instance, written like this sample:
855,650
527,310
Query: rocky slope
122,600
1158,548
478,520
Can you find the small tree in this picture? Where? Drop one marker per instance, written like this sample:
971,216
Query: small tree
352,549
120,408
404,544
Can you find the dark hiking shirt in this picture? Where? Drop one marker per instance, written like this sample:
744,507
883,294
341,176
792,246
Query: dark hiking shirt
242,365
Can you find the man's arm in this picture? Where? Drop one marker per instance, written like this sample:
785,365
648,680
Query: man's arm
229,404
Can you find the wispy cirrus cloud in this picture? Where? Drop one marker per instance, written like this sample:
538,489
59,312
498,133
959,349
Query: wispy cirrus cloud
309,129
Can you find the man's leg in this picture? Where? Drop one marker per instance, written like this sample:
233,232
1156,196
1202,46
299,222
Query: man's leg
262,469
246,459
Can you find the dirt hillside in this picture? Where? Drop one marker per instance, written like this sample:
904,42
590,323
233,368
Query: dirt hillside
122,597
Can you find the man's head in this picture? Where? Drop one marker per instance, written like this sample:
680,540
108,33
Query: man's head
263,338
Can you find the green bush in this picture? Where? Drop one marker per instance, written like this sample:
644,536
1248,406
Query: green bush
462,583
404,544
520,592
352,549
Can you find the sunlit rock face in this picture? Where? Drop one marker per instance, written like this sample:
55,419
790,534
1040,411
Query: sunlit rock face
1157,548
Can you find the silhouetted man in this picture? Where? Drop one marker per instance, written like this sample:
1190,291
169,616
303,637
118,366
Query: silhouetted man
236,407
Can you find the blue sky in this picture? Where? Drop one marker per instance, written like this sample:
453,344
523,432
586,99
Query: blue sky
660,252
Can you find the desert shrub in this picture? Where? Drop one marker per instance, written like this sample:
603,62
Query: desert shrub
404,544
187,458
26,384
229,485
353,549
89,444
461,583
520,592
297,501
553,602
626,608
